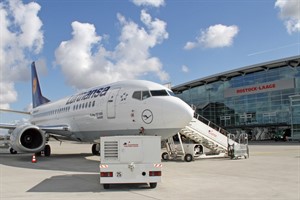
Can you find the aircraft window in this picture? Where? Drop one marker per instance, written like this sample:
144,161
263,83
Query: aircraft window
137,95
146,94
159,93
86,104
171,93
90,104
93,103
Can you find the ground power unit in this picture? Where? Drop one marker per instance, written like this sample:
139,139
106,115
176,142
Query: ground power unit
130,159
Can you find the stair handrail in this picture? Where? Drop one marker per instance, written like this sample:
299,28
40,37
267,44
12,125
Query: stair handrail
211,124
219,145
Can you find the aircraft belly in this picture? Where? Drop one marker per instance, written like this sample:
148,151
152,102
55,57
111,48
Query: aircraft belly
92,136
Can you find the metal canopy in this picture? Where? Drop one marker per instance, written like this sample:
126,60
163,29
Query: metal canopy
290,61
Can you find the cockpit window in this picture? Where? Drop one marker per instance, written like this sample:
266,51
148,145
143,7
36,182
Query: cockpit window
146,94
159,93
137,95
142,95
171,93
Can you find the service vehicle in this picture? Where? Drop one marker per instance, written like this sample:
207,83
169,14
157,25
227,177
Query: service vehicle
130,159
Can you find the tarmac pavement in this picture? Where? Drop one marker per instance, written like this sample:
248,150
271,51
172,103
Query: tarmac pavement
272,172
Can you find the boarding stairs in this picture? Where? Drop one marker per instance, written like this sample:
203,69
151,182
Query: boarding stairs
207,133
204,132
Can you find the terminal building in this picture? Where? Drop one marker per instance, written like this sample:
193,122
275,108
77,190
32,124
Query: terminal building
262,100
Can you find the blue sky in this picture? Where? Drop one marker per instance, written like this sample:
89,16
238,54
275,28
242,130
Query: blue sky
77,44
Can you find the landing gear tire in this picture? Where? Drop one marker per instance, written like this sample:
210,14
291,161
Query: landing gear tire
47,150
106,186
12,151
188,157
153,185
165,156
95,149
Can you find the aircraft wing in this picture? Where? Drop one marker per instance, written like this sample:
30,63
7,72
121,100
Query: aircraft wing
46,128
11,126
8,126
15,111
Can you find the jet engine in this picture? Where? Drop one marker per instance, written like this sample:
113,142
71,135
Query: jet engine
27,138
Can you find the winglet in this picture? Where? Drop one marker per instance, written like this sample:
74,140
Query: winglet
37,97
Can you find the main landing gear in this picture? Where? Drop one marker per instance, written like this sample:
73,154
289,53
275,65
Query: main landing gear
12,151
96,149
46,151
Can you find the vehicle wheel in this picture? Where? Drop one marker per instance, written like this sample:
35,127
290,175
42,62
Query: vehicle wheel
165,156
232,156
188,157
153,185
12,151
94,150
47,150
232,153
106,186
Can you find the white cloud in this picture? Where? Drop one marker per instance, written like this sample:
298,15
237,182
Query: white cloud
216,36
8,94
185,69
28,108
154,3
21,36
290,14
85,62
190,45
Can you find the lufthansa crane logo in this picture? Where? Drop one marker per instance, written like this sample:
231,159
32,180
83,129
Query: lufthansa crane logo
34,85
147,116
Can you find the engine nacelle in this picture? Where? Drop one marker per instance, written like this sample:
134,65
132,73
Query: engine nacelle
27,138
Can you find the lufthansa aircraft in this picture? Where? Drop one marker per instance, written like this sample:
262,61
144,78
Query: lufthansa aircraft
123,108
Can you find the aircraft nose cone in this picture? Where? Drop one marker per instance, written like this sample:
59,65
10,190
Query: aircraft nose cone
178,113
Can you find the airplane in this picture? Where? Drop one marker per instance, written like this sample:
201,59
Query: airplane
131,107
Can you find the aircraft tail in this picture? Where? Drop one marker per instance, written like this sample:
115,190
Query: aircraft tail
37,97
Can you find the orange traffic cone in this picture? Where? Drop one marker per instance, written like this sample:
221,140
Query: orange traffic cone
33,159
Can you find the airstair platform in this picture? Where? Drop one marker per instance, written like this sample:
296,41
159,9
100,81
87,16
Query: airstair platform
207,133
204,132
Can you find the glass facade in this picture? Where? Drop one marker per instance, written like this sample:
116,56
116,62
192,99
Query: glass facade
295,116
257,99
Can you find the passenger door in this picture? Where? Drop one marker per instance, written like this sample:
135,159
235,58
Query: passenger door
111,103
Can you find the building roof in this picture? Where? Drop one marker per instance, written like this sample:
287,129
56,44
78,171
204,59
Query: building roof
290,61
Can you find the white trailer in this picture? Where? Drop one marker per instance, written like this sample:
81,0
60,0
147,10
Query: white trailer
130,159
